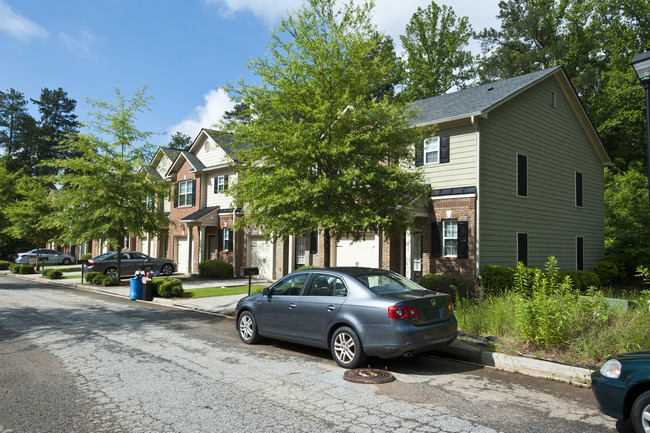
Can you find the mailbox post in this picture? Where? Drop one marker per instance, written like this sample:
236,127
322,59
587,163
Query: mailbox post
250,271
82,263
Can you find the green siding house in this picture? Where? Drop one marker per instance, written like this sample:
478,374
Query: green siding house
517,174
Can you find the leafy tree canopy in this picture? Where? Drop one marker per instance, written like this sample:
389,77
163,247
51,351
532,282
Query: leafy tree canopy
324,149
437,56
180,141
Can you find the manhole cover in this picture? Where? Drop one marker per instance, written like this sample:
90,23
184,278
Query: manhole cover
368,375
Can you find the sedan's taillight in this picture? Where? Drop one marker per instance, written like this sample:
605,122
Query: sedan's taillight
20,256
400,312
450,306
91,263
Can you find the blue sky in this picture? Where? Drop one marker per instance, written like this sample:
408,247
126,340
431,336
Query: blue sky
182,50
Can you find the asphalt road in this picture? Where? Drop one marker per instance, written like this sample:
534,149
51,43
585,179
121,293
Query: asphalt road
75,361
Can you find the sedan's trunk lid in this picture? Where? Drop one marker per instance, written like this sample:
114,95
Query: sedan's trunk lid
431,307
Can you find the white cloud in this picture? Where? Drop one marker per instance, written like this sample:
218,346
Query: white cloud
83,44
18,26
389,16
207,115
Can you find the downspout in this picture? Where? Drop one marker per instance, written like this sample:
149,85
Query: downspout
477,258
234,241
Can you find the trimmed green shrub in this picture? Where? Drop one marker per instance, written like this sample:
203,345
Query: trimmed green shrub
86,256
215,269
110,281
52,274
90,277
497,278
156,284
608,273
170,288
302,268
583,280
457,287
17,268
4,265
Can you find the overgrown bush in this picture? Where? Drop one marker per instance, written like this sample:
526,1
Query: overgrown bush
169,288
4,265
457,287
583,280
497,278
86,256
52,274
91,277
215,269
608,273
17,268
302,268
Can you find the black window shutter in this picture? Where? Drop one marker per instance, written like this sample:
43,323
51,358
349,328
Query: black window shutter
228,245
463,236
578,189
176,195
225,182
193,183
580,254
419,154
216,184
313,243
220,240
436,247
444,149
522,248
522,176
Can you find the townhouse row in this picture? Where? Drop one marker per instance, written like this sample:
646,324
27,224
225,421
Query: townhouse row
516,170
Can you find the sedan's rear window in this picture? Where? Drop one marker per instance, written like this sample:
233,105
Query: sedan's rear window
382,283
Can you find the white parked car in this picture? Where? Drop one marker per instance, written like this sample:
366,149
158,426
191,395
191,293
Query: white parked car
53,257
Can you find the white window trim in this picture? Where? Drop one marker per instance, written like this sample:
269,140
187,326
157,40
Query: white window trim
445,238
186,194
436,150
221,183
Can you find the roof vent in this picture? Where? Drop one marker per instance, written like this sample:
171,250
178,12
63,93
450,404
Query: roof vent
490,88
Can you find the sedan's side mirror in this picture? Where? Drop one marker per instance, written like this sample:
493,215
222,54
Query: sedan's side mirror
266,291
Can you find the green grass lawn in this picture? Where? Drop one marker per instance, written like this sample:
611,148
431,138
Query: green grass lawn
209,292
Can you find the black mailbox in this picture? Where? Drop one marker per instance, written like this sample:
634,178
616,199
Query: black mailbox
250,271
82,262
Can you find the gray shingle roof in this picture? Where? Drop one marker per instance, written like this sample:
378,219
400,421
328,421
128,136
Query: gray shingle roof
474,100
227,142
192,159
199,213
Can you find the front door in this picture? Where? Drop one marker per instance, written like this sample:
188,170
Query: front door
212,246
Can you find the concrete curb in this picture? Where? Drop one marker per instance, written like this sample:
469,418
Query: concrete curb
458,350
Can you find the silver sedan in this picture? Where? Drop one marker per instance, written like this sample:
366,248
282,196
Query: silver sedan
131,261
52,257
353,312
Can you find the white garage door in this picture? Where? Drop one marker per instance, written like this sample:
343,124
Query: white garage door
261,256
363,253
181,254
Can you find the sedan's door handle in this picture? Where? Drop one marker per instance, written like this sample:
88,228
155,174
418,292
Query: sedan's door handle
331,308
292,306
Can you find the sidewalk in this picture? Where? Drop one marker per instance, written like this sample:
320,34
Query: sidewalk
459,350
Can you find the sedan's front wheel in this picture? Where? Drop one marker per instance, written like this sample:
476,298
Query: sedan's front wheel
641,413
247,328
346,348
167,269
66,261
111,272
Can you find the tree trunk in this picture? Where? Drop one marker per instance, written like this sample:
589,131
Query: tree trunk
327,246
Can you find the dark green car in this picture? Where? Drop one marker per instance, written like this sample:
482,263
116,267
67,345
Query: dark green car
622,388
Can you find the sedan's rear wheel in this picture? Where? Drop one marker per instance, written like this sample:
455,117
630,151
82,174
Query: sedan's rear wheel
66,261
641,413
167,269
247,328
111,272
346,348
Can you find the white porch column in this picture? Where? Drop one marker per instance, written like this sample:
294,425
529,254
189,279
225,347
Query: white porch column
292,247
409,254
201,242
189,249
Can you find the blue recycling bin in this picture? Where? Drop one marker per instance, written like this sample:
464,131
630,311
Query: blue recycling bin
136,289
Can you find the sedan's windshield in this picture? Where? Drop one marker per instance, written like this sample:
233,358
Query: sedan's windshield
382,283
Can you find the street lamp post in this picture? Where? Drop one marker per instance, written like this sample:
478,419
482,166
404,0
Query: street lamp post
641,65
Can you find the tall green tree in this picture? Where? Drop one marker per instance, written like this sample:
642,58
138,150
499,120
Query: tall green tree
180,141
104,195
57,122
327,151
31,216
437,55
17,129
7,197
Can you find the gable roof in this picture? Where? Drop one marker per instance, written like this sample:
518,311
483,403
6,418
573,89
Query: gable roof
474,101
201,213
185,155
480,100
224,140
